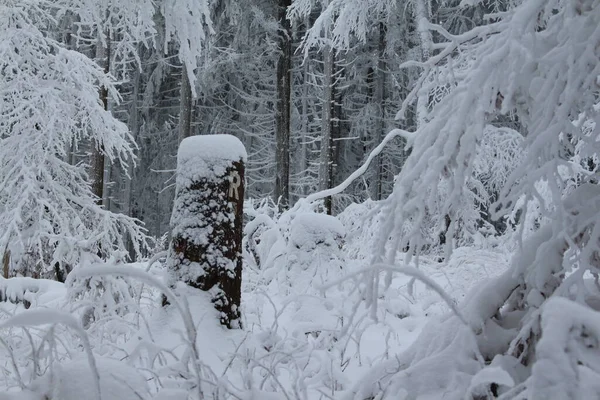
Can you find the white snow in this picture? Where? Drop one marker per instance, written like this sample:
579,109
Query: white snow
171,394
73,380
350,307
308,230
297,337
35,291
208,156
568,352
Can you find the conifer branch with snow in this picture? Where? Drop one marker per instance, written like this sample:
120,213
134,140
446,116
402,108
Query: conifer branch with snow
49,103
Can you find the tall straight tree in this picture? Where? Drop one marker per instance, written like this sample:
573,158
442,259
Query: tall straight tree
97,161
379,103
421,10
326,161
283,113
185,105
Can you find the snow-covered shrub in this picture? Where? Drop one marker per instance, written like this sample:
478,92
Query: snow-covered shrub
313,253
261,217
497,155
35,340
567,353
107,305
296,345
266,232
299,248
361,222
174,359
471,217
499,152
159,245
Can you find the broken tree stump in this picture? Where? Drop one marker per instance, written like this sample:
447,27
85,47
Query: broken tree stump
206,223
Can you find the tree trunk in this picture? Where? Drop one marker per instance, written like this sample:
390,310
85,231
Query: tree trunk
422,17
97,156
185,104
134,127
6,264
283,112
378,100
336,123
325,160
304,134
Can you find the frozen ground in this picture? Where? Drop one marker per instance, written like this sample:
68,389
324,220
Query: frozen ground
307,331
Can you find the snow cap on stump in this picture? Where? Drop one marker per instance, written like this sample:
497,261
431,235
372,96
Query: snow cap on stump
207,156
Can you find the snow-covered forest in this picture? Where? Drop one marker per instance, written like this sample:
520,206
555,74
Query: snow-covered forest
299,199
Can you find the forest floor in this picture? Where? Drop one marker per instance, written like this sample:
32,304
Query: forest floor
307,330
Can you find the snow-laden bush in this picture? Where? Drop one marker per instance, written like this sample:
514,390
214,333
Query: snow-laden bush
108,306
362,222
497,155
174,360
30,291
38,340
298,248
313,254
296,347
262,236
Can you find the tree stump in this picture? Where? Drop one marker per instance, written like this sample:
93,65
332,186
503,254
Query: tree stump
206,223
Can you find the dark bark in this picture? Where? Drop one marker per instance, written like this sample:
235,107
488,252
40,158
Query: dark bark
333,113
97,167
283,112
326,138
6,264
185,106
97,158
219,257
61,271
443,235
379,100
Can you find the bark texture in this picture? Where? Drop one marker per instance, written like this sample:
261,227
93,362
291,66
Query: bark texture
283,112
185,106
97,160
206,250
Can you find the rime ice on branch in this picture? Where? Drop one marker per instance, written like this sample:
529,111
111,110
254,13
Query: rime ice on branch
206,223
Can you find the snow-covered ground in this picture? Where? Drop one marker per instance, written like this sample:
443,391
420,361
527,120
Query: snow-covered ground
308,332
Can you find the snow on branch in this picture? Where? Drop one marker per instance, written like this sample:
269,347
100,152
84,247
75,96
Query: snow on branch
181,21
532,63
49,103
26,290
510,66
356,174
349,18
